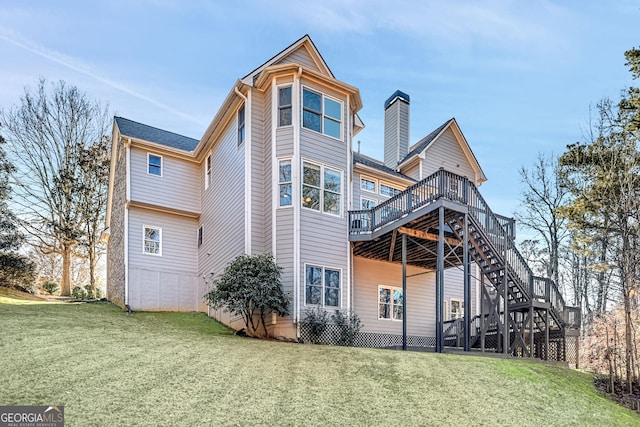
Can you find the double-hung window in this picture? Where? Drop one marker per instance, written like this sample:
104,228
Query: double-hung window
321,114
390,301
321,188
284,106
154,164
241,127
284,182
152,240
322,286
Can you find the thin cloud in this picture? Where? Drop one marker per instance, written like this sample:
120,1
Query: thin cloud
82,68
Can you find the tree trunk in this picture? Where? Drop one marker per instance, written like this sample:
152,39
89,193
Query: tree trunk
65,283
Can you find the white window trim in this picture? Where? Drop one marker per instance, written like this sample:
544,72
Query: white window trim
461,301
304,283
322,115
208,170
278,87
375,184
387,184
322,190
144,235
392,288
161,164
278,205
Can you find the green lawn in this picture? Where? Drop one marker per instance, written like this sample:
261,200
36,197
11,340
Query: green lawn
110,368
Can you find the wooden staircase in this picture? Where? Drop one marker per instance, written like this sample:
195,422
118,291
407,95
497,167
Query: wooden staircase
535,308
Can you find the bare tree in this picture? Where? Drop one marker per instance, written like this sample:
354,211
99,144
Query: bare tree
49,133
542,196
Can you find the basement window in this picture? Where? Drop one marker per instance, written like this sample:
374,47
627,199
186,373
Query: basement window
152,240
390,301
322,286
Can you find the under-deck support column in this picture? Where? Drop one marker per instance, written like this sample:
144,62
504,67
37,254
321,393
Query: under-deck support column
531,326
404,291
467,286
546,334
483,318
506,336
440,283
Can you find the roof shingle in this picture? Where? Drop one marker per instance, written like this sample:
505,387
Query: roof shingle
149,133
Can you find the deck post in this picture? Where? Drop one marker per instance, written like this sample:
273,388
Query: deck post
440,283
483,318
531,325
506,336
404,291
546,334
467,286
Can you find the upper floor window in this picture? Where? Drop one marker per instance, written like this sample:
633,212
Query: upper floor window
368,203
367,184
200,236
321,188
284,182
322,286
207,172
154,164
386,190
284,106
321,114
152,240
241,127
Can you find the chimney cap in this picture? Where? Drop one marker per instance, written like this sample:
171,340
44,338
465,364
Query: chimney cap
397,94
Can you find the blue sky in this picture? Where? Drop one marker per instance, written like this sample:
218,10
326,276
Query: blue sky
519,76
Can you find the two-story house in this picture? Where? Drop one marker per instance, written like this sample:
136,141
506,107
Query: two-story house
408,243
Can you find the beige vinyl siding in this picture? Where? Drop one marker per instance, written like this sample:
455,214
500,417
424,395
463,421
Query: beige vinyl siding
166,282
445,152
324,237
420,298
284,246
300,56
222,217
284,141
413,171
178,187
359,193
257,173
266,185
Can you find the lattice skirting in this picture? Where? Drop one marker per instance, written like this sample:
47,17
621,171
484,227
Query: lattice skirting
333,335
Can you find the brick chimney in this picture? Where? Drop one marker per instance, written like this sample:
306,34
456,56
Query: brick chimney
396,128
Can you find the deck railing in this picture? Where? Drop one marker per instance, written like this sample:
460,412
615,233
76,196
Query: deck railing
499,230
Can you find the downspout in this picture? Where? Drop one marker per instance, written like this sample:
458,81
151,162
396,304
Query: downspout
247,170
296,165
127,151
348,201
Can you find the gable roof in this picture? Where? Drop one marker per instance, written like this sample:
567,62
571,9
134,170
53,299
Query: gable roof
379,166
303,42
425,142
421,145
157,136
